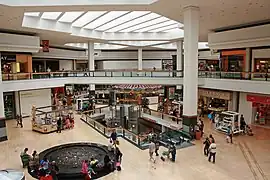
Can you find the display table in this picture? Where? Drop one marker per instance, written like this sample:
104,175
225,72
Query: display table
44,129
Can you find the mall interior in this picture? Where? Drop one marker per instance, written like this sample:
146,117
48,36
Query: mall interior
149,70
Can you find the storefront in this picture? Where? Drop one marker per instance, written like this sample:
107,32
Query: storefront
208,65
233,61
217,101
12,63
9,105
260,109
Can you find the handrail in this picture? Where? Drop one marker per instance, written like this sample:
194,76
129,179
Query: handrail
137,73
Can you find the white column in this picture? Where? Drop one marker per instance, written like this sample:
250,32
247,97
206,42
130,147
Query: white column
91,61
140,66
247,64
190,89
179,60
3,132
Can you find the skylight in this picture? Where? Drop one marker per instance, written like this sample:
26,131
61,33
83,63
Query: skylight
69,17
164,24
146,24
34,14
128,17
162,29
51,15
134,22
138,43
87,18
105,18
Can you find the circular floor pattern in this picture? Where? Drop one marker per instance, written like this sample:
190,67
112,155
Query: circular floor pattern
69,158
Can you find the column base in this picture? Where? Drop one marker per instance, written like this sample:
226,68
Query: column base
3,131
189,123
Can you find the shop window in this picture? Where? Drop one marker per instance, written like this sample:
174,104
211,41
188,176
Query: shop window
9,105
262,65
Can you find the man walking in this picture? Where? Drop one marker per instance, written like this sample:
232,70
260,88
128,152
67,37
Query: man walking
152,148
212,152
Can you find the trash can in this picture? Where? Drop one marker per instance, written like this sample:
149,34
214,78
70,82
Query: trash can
198,135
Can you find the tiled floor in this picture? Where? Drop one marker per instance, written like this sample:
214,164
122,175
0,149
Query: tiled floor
190,163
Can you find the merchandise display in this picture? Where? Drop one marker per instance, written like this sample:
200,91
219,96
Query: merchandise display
44,120
227,119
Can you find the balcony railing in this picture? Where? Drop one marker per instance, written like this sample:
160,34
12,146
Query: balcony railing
257,76
143,74
65,74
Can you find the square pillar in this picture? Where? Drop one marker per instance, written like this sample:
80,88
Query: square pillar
140,65
190,80
179,59
91,63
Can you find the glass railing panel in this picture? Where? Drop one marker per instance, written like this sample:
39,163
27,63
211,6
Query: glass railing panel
132,137
162,74
99,127
118,74
99,74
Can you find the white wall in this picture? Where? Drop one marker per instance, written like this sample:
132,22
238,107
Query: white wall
19,43
66,64
56,53
245,107
129,64
39,98
240,38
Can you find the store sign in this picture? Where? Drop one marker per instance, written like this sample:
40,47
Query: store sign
258,99
8,58
215,94
45,44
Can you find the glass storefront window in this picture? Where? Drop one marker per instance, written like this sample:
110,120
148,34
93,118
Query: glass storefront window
262,65
9,105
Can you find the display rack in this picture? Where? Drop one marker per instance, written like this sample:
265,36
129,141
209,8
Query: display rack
226,119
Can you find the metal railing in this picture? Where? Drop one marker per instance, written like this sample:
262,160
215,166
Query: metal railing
113,73
258,76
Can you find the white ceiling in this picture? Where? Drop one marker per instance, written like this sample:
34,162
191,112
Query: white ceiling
214,14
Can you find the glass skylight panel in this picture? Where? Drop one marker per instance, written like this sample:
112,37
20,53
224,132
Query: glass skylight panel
34,14
51,15
167,23
134,22
146,24
69,17
162,29
87,18
128,17
105,18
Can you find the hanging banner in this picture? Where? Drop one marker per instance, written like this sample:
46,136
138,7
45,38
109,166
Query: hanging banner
45,44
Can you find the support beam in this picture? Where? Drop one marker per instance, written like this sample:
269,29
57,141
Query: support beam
190,89
140,65
3,132
91,62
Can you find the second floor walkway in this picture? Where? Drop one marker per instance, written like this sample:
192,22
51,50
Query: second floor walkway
232,81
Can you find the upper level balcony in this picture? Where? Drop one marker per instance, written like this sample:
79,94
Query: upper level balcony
233,81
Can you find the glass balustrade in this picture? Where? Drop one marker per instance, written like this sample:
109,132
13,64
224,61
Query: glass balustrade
142,74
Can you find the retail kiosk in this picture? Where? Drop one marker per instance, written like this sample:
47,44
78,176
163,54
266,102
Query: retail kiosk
226,119
44,119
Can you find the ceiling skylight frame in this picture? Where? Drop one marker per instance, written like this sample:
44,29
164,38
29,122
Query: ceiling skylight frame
87,18
32,14
123,19
105,18
162,29
135,22
146,24
51,15
69,17
156,26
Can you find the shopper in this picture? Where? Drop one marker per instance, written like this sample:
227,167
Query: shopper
229,134
206,146
59,125
54,170
212,152
173,152
114,136
211,138
25,158
152,148
157,147
242,123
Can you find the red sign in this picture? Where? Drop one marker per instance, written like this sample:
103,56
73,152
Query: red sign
258,99
45,44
